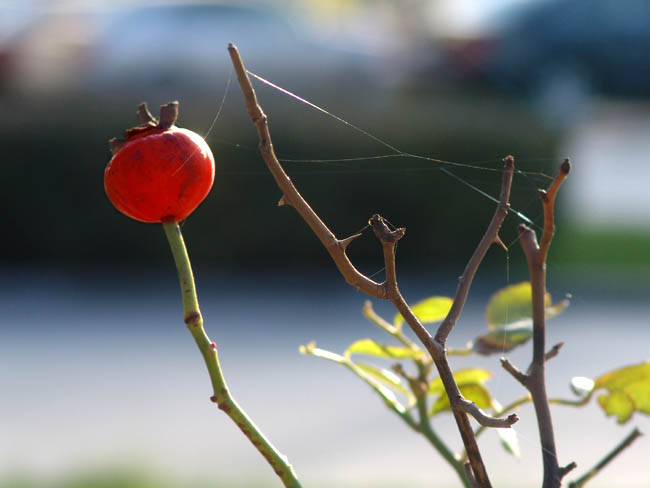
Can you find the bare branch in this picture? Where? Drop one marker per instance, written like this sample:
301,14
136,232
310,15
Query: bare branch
389,289
491,236
482,418
291,196
548,201
624,444
388,240
535,380
470,475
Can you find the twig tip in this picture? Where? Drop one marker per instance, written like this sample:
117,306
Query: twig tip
566,166
521,228
513,418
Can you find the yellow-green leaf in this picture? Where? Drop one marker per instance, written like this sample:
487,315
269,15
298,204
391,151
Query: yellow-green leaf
509,441
387,377
628,391
556,308
617,403
373,348
470,376
474,392
510,304
432,309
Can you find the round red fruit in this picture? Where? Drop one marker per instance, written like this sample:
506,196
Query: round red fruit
159,172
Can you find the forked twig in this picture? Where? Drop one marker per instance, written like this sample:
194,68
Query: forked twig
534,379
389,289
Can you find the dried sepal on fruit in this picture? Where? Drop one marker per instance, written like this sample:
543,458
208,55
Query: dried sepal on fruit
158,171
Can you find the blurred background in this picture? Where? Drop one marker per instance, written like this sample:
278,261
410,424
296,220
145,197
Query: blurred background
100,383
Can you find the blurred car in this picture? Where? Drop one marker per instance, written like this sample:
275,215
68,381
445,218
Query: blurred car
185,44
112,48
558,51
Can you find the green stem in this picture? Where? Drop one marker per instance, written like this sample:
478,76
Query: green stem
383,324
427,431
385,393
423,427
222,397
624,444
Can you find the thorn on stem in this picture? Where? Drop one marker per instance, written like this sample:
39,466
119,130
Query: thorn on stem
499,242
346,242
554,351
381,230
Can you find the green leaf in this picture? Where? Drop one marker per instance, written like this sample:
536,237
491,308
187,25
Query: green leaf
474,392
509,441
629,391
387,377
432,309
510,304
504,338
373,348
582,386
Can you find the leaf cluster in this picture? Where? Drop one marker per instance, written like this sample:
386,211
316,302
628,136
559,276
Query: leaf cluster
420,397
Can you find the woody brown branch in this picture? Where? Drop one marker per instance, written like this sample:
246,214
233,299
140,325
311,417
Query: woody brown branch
534,379
389,289
291,196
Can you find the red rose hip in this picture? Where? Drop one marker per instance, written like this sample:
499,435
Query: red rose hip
159,172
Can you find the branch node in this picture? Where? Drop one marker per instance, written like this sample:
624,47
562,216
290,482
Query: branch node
383,233
193,319
283,201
